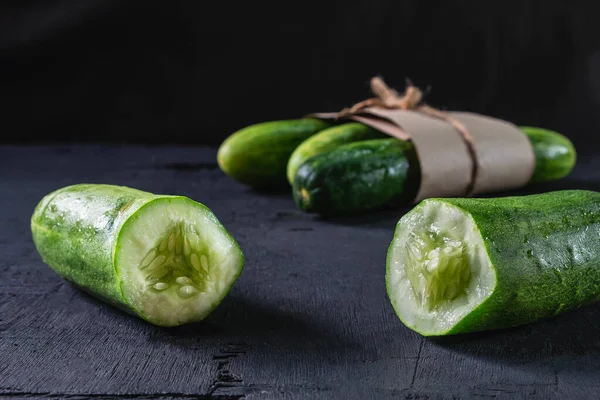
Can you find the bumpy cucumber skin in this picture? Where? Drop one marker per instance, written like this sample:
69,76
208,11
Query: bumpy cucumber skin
358,176
328,140
544,250
76,232
257,155
554,153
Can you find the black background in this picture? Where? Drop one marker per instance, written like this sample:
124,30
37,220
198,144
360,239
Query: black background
193,72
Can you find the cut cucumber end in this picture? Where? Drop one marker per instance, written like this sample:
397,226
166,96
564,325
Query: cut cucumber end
176,262
438,269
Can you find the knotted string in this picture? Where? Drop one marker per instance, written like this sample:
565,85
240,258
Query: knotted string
387,97
411,100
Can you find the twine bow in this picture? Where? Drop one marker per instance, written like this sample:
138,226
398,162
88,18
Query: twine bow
411,100
387,98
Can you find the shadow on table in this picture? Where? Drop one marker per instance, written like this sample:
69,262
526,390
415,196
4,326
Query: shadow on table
280,191
238,318
573,333
387,218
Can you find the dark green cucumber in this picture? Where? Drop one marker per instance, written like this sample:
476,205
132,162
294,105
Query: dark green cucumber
165,259
257,155
459,265
347,180
364,175
327,140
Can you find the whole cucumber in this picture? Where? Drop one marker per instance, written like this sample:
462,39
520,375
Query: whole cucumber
458,265
165,259
347,180
327,140
358,176
258,154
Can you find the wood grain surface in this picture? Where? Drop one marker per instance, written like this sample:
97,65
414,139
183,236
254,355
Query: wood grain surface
308,318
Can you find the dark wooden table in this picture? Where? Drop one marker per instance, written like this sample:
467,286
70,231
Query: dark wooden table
308,318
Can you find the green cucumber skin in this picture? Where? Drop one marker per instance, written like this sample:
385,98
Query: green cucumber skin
555,155
358,176
76,231
555,158
545,251
257,155
328,140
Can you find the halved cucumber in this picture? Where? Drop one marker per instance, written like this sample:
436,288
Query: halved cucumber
463,265
438,270
166,259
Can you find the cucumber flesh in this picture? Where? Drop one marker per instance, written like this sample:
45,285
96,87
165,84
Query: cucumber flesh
174,262
438,268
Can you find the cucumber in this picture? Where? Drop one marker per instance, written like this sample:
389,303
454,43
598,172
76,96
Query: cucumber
165,259
362,176
555,155
327,140
321,185
257,155
459,265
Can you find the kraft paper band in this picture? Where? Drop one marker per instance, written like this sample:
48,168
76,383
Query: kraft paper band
460,153
504,156
445,162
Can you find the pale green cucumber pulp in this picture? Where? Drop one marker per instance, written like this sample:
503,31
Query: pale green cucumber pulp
174,262
438,268
166,259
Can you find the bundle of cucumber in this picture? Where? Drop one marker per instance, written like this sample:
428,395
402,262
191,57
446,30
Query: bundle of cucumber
350,167
165,259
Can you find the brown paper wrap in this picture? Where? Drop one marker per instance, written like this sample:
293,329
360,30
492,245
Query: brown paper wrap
460,154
